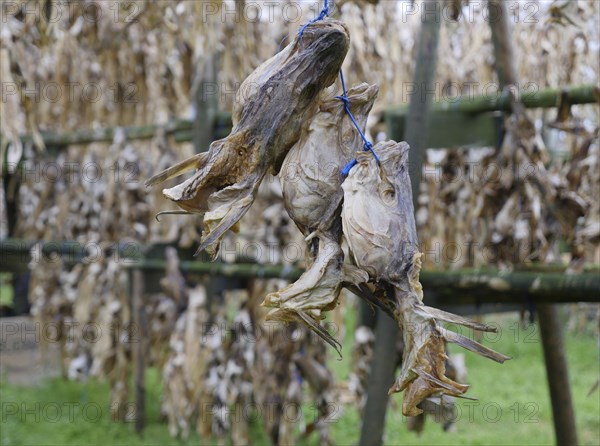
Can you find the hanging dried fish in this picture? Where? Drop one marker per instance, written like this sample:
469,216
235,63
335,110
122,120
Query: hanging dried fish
185,371
379,226
311,362
267,123
311,183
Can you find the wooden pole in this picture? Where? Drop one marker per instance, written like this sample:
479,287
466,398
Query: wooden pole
140,325
530,97
550,327
385,355
417,121
558,376
503,49
206,104
381,378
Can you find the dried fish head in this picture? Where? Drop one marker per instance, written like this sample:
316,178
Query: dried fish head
316,291
378,216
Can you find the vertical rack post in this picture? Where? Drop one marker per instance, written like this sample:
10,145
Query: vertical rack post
206,102
558,377
139,347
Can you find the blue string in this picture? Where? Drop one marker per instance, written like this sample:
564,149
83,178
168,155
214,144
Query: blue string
324,13
368,147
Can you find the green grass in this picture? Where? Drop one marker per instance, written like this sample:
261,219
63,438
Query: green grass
513,405
6,291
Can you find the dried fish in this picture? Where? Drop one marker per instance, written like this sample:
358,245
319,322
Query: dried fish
379,226
184,373
270,123
311,183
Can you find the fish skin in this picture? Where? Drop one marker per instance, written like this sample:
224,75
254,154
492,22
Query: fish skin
379,226
381,245
284,94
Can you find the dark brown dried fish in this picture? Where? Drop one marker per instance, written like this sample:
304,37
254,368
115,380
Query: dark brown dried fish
279,97
379,226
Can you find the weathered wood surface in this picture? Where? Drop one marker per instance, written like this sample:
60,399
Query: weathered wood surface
139,347
530,97
176,128
565,429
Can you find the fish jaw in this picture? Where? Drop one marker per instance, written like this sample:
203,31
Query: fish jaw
227,207
316,291
320,285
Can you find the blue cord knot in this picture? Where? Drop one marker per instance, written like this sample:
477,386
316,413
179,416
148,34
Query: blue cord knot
368,146
345,100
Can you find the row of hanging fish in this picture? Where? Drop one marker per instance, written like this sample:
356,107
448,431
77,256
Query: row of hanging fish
223,373
518,202
291,121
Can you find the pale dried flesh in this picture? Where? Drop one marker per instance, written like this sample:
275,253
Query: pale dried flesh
267,123
379,226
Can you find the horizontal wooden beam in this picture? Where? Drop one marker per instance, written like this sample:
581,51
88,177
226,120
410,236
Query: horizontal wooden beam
531,98
180,129
239,270
465,287
475,287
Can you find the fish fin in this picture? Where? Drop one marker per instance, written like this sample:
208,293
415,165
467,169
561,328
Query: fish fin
455,319
472,345
289,315
451,387
320,331
195,162
229,204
